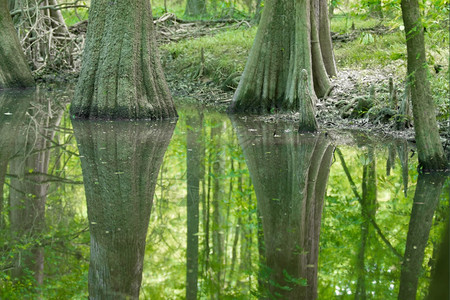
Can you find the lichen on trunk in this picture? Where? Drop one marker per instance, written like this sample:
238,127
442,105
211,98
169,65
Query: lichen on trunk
121,76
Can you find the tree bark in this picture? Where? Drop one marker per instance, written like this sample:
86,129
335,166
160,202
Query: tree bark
321,80
120,163
326,45
426,198
14,70
121,75
281,50
429,147
289,174
195,8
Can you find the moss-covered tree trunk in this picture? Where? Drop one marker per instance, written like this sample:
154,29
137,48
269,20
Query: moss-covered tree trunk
195,8
281,50
429,147
120,163
14,71
121,75
289,173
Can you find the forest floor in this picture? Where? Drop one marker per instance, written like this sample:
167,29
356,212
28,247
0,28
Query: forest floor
191,81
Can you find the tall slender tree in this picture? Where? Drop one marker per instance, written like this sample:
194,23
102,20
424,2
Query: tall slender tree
429,147
121,75
14,71
286,43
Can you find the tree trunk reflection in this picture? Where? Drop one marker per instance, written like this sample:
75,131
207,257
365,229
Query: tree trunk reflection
426,198
120,163
193,162
29,187
289,172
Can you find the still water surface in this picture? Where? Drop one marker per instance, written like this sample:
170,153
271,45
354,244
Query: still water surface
211,208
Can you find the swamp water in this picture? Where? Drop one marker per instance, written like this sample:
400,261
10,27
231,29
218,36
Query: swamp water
211,208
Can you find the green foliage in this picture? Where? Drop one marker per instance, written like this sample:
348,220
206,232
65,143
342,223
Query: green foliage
75,15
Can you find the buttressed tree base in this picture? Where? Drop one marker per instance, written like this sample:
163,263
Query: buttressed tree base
121,75
286,43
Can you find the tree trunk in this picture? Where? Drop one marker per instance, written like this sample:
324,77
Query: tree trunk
195,8
120,164
426,198
14,71
326,45
289,174
281,50
321,80
121,75
429,147
57,18
193,156
258,9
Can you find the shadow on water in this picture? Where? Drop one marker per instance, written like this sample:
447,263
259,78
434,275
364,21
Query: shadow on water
210,208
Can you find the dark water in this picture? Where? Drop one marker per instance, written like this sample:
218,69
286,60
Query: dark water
211,208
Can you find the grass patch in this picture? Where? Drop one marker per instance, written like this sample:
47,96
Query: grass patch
224,54
343,23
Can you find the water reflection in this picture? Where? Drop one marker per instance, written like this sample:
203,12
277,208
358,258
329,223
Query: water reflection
426,199
28,123
120,163
289,172
251,212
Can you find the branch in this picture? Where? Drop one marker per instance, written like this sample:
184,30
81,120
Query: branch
51,7
366,214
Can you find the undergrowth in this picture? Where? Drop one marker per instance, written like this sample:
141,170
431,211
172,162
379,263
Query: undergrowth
226,53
